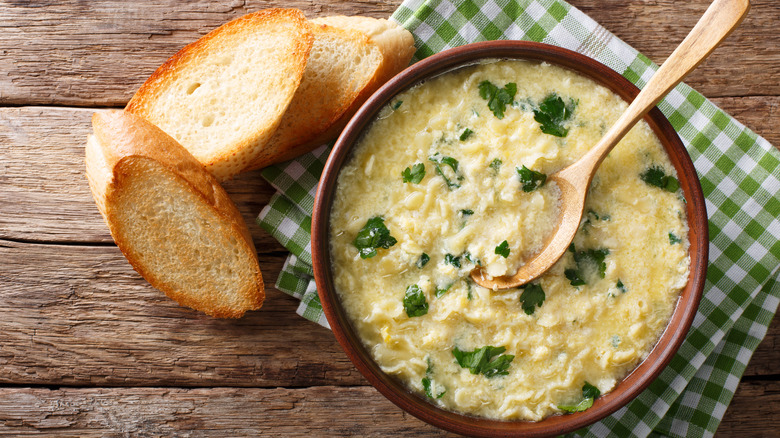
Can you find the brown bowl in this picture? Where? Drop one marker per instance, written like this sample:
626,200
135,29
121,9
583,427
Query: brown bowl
630,386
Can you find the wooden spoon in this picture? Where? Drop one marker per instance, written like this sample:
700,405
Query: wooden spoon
722,17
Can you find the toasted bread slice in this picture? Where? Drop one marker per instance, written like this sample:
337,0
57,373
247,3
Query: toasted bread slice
351,58
342,63
170,217
395,42
223,96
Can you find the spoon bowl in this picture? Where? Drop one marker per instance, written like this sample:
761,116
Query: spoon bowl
720,19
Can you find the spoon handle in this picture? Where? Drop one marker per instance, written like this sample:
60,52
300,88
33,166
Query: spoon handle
720,19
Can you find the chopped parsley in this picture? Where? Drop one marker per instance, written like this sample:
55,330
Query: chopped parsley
488,361
444,290
429,385
503,249
466,212
591,260
423,260
615,341
552,113
452,260
495,165
470,258
603,217
573,276
673,239
373,235
415,303
657,177
498,98
466,134
589,394
397,104
532,297
595,256
414,174
530,179
439,162
621,287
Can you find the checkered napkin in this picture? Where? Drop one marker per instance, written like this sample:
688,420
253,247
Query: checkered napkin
739,172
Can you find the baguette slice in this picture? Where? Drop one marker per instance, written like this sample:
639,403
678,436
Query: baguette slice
170,217
223,96
351,58
395,42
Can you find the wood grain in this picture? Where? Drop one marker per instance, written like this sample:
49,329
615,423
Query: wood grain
655,27
274,412
36,141
98,53
79,315
151,412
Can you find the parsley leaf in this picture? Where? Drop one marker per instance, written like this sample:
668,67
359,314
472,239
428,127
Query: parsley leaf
589,394
442,291
590,391
428,385
452,260
397,104
673,239
657,177
466,212
532,297
466,134
424,259
581,406
552,113
498,98
486,360
530,179
594,256
573,276
495,165
503,249
654,176
467,255
414,174
672,184
588,260
415,303
373,235
439,161
621,287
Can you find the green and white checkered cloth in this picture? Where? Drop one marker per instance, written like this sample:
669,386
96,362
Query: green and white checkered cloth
739,172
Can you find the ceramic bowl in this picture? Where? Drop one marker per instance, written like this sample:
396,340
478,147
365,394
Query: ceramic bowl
631,385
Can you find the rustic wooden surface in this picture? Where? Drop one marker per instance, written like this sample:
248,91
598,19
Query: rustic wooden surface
88,348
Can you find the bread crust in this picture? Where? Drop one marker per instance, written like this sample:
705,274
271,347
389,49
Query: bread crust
120,138
308,116
396,45
224,161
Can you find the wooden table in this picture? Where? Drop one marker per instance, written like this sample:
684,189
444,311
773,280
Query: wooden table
87,347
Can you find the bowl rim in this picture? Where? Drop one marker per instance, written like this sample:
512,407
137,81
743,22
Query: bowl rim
645,372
